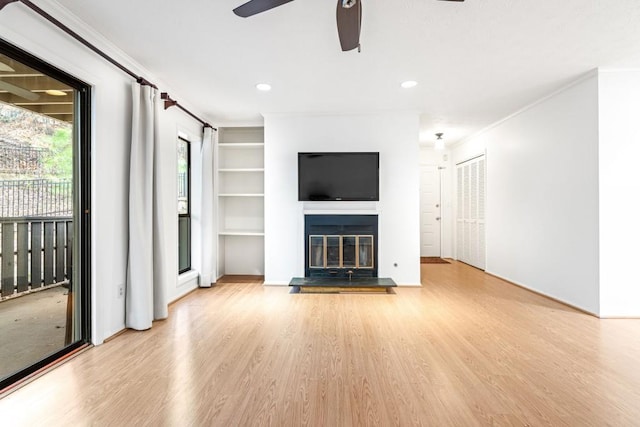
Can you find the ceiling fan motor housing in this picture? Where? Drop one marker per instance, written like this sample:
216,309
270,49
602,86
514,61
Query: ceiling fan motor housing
349,18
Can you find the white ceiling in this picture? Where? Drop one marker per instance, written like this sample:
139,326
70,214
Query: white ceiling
475,62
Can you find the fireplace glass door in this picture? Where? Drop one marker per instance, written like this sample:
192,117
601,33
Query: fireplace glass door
333,251
316,252
365,251
349,258
341,252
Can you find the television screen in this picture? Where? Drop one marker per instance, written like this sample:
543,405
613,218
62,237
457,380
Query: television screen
338,176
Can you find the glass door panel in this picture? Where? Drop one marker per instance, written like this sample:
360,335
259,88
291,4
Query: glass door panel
333,251
43,292
316,251
365,251
349,252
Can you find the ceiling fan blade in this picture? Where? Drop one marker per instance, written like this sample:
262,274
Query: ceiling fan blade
254,7
349,21
17,90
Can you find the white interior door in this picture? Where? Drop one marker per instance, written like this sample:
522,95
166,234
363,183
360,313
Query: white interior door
430,207
470,189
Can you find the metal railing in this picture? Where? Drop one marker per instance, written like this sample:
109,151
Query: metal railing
183,185
20,159
34,252
36,197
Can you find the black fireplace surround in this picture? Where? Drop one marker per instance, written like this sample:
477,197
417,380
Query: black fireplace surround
344,246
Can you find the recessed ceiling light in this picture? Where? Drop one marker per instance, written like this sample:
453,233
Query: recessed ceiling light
409,84
5,67
264,87
55,92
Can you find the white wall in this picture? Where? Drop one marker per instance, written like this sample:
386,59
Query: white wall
542,195
619,95
110,151
442,158
395,136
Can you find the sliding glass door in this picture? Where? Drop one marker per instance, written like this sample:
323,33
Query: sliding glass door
44,214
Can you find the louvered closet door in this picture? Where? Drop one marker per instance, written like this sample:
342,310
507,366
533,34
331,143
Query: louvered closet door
470,240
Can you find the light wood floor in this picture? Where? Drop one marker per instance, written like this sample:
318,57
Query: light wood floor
465,349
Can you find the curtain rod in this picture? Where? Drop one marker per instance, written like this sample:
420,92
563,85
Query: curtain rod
168,103
139,79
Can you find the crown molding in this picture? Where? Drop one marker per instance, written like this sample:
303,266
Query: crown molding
65,16
588,75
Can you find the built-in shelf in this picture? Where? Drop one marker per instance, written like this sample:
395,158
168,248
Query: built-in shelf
240,200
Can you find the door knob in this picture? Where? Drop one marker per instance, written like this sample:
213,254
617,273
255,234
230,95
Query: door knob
437,218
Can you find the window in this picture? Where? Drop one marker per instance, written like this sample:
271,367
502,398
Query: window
184,205
44,214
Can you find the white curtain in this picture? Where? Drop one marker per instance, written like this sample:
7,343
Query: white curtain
207,252
146,293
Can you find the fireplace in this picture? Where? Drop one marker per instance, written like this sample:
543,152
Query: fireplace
341,246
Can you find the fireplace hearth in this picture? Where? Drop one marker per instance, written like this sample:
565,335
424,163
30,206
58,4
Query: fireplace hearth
341,246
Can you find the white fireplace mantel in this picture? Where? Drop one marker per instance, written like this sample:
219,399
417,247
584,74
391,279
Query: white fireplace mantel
340,208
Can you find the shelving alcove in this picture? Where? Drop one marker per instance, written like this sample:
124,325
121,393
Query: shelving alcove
240,200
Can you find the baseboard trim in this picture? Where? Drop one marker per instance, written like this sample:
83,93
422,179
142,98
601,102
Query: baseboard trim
114,336
275,283
184,295
542,294
240,278
631,317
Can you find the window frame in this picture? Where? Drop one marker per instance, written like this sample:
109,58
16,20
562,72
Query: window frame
187,215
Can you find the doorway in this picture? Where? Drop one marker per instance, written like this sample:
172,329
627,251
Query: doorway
44,214
430,211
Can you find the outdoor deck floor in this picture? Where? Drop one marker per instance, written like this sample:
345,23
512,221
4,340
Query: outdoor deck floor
31,327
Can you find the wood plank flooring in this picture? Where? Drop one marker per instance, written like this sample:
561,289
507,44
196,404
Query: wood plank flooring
466,349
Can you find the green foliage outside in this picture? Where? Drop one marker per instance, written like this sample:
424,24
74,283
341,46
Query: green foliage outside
58,160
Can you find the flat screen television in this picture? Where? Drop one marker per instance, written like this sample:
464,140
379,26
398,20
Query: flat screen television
338,176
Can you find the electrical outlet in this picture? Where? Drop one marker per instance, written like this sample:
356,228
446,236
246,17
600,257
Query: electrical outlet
120,291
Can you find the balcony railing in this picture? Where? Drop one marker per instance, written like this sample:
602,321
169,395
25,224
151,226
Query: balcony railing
35,252
21,159
31,197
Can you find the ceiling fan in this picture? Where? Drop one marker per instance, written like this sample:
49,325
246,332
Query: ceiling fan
348,17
